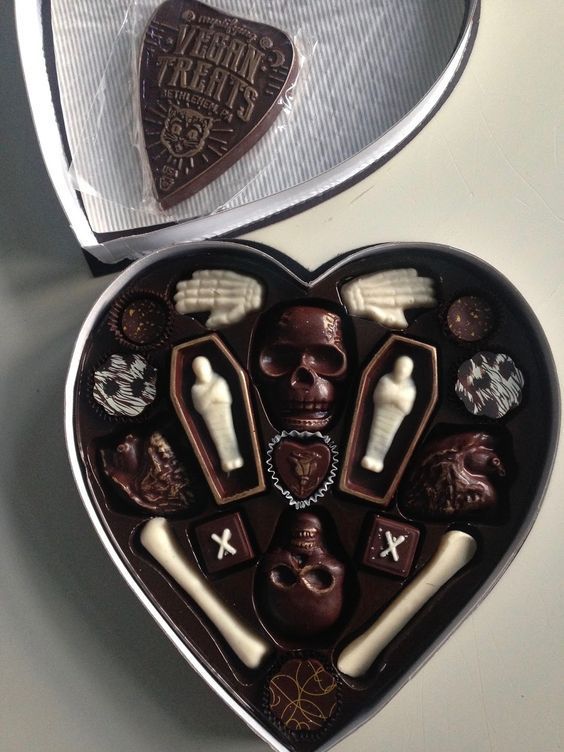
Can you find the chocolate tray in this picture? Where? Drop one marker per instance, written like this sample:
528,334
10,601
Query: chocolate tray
310,479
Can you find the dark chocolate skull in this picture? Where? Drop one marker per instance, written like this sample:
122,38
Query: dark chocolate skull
300,583
302,364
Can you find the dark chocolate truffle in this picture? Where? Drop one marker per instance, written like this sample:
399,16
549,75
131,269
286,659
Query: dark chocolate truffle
490,384
470,318
303,695
143,321
125,385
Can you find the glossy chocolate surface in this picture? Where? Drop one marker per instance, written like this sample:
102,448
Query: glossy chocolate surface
300,583
521,440
211,84
391,546
223,543
302,366
470,318
455,477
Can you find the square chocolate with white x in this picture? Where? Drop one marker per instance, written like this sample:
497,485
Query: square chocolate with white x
391,546
224,543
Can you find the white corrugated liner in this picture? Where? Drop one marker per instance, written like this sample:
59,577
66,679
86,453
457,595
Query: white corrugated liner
377,73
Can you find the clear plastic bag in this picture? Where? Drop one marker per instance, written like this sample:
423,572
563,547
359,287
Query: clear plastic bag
366,64
110,162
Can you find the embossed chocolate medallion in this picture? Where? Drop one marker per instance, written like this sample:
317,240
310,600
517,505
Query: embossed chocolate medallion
302,467
211,84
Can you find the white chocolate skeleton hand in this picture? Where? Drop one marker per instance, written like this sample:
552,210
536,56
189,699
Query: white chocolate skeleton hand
212,399
228,296
385,296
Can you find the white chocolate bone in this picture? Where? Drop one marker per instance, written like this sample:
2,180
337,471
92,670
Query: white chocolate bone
228,296
394,396
158,539
212,399
455,550
385,296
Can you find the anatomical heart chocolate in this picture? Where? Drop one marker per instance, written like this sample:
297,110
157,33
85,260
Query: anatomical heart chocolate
211,84
289,475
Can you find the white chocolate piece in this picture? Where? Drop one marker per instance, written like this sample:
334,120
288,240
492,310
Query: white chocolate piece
212,399
455,550
224,547
394,396
158,539
393,544
228,296
385,296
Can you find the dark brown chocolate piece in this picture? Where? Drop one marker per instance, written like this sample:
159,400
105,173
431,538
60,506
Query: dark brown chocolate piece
224,543
455,476
302,367
470,318
211,84
143,321
148,473
490,384
301,466
300,583
303,695
391,546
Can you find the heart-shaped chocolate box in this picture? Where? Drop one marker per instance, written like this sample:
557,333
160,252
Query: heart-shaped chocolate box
279,539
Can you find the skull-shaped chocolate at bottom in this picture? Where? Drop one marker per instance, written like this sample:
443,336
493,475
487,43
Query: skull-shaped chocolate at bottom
302,366
300,583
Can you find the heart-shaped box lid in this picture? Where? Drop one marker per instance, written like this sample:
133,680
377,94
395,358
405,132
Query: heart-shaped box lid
36,37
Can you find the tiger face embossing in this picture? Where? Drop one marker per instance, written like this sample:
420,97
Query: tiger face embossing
185,131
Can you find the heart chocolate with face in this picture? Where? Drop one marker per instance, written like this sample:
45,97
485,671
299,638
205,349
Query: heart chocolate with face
301,466
211,85
275,391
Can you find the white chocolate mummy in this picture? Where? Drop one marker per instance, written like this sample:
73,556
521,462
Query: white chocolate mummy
385,296
394,396
228,296
455,550
212,399
158,539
